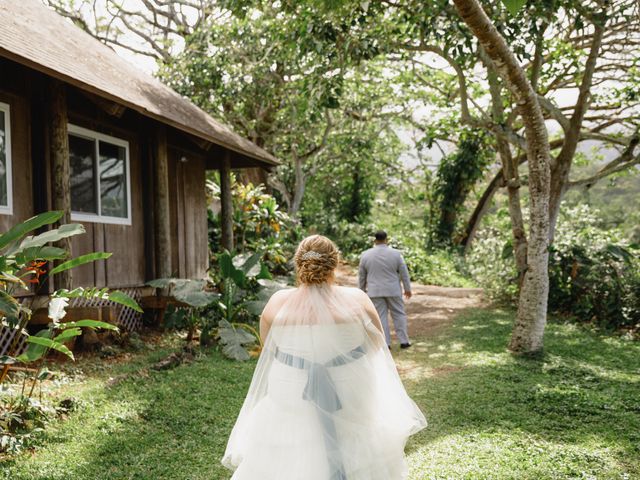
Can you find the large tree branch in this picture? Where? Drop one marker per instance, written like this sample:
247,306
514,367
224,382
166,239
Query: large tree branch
623,162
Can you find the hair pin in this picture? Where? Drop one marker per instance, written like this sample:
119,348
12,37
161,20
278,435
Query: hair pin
311,254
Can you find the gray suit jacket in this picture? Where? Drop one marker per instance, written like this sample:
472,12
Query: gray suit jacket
381,270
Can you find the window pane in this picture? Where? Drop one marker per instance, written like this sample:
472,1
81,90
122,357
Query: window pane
113,180
4,200
82,153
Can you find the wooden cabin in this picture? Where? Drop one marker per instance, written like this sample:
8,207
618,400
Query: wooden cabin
84,131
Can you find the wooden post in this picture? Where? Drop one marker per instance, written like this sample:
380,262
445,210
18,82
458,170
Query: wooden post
226,202
162,217
60,159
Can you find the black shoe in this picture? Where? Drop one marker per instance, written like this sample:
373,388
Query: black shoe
405,345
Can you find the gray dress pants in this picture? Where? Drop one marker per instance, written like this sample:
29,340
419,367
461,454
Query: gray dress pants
395,306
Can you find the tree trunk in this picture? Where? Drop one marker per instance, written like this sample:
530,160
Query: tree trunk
481,209
511,178
300,185
61,168
531,319
226,203
256,176
162,214
562,166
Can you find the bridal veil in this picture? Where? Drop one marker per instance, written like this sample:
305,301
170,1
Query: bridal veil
326,401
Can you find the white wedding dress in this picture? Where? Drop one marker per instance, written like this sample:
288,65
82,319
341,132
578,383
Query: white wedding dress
326,401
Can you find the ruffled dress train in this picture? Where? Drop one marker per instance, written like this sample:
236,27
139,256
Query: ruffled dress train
326,401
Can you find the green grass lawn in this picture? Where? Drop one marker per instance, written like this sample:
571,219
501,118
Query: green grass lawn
573,415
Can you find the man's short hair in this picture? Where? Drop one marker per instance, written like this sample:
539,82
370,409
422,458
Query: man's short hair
381,236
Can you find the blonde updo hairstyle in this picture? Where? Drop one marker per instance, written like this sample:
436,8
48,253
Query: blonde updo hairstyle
316,259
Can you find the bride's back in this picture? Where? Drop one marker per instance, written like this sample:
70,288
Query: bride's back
319,322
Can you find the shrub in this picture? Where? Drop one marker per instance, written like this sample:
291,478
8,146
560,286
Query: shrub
594,274
258,225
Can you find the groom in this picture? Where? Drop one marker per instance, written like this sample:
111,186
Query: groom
380,272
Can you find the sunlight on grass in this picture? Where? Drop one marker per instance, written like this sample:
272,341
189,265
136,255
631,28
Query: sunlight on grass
575,414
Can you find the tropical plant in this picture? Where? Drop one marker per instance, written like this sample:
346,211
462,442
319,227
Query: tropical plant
23,260
243,299
593,271
259,225
244,285
192,296
23,266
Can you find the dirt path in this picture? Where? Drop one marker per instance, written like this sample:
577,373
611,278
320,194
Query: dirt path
431,307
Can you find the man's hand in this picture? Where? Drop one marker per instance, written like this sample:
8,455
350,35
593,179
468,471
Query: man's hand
407,294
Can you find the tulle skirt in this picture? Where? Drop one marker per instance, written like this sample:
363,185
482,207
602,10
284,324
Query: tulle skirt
284,437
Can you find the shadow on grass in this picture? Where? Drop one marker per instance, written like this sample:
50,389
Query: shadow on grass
158,425
582,398
575,413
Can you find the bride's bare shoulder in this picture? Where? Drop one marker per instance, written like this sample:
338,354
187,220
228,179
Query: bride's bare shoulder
275,303
354,293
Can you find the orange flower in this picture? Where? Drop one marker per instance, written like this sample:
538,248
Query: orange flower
36,270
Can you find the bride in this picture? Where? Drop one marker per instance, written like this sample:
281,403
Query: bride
326,401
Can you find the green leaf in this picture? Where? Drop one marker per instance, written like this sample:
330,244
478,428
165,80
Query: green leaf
67,334
235,351
246,265
264,274
81,260
34,351
89,324
162,282
226,264
124,299
40,253
49,343
9,306
232,335
255,307
27,226
54,235
514,6
195,298
7,360
239,278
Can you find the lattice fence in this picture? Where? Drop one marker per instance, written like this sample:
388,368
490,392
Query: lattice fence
126,318
12,337
7,338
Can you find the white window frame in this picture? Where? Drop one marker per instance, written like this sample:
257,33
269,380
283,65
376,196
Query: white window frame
97,137
8,208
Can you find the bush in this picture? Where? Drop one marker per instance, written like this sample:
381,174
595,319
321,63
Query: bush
258,225
594,274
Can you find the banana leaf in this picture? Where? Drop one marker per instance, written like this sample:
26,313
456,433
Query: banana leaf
29,225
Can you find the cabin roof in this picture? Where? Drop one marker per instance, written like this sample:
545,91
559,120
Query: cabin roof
36,36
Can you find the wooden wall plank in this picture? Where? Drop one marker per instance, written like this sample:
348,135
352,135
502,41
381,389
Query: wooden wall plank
22,176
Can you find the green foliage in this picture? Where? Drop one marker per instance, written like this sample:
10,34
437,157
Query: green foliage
259,225
244,285
456,176
514,6
593,271
22,419
81,260
241,278
594,275
23,261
